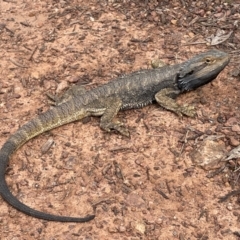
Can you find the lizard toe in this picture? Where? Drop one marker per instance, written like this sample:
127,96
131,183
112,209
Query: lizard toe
188,111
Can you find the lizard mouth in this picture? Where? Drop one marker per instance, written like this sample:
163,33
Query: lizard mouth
193,80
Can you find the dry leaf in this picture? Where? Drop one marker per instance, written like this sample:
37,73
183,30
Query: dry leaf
220,37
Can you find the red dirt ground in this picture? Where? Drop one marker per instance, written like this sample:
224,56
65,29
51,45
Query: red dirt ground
145,187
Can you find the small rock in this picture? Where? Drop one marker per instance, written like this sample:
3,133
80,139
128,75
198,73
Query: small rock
62,86
153,13
174,21
35,75
218,128
219,15
236,128
4,210
140,227
209,153
231,121
209,132
157,63
221,118
74,79
235,72
149,219
235,213
112,229
229,207
47,145
16,95
180,209
233,141
191,34
159,221
201,12
49,84
122,229
134,200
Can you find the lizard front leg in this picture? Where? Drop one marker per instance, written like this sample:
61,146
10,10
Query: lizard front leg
165,98
107,122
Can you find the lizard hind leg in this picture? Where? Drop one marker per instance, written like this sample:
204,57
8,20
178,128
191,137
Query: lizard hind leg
165,98
107,122
73,91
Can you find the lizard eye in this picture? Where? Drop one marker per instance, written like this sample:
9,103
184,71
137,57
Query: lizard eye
208,60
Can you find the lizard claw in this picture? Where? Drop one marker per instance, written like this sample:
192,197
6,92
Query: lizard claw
53,99
124,132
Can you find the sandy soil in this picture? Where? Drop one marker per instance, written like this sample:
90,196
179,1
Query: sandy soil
145,187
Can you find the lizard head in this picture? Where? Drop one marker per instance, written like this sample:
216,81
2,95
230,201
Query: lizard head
201,69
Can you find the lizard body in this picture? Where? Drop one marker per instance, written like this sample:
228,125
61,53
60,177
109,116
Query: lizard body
130,91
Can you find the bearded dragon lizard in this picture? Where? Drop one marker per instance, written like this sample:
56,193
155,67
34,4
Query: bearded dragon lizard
131,91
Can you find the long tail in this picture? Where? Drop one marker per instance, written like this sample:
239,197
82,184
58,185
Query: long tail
26,132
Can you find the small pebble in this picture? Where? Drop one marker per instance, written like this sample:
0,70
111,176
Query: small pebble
229,207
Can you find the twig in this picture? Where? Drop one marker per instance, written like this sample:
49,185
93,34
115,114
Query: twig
75,22
194,43
35,49
17,64
183,3
185,141
162,193
9,30
218,171
224,198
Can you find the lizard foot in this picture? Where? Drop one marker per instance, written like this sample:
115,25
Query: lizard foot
118,126
53,99
73,91
188,110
